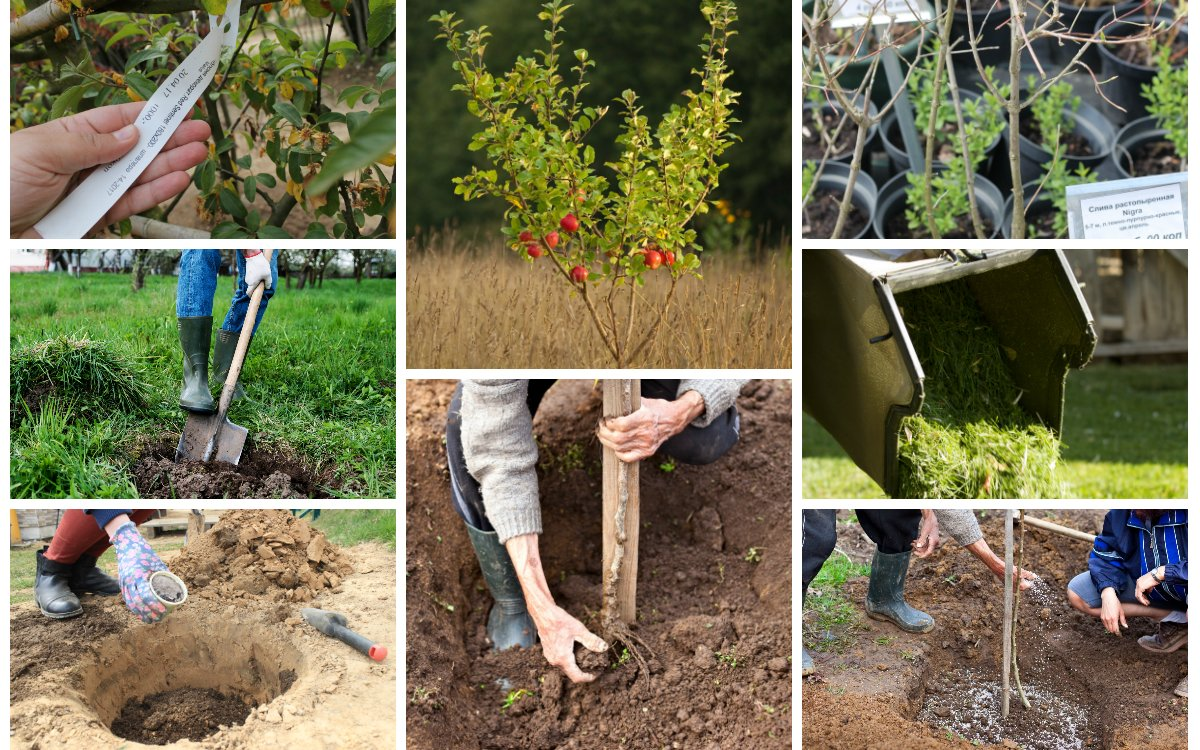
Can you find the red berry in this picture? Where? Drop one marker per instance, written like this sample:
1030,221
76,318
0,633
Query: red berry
526,236
569,223
552,239
534,250
654,259
579,274
670,255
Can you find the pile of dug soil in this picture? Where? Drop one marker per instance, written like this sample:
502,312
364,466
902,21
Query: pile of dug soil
713,596
260,473
267,554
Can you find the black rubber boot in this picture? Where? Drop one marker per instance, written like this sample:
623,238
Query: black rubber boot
223,359
52,591
509,624
86,578
195,338
885,594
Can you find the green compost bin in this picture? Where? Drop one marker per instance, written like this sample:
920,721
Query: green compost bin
861,374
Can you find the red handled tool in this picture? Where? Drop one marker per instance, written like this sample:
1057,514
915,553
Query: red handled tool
333,625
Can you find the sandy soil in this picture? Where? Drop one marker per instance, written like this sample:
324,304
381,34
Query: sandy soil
1094,691
70,679
697,595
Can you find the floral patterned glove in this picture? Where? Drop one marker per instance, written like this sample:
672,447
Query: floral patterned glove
135,562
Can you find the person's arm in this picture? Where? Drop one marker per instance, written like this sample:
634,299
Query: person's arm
716,395
136,561
500,452
638,436
927,536
557,630
1107,569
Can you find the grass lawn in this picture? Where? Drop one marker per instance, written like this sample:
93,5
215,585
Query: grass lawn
320,376
831,620
1125,436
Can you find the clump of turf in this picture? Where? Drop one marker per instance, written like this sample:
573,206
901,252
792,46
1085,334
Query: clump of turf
971,439
90,375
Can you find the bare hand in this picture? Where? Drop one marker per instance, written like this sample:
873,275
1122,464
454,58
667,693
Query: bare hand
1026,577
927,538
639,435
559,632
1144,584
50,159
1112,614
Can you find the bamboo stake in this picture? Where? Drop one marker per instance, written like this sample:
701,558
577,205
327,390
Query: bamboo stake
1008,612
621,511
1064,530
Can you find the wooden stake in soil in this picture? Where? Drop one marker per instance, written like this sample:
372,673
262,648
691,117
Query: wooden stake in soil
1008,611
620,544
622,503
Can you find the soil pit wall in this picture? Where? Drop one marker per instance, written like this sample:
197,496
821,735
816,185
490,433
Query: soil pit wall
126,676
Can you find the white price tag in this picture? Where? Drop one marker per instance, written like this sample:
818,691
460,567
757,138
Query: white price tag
1156,213
165,111
856,13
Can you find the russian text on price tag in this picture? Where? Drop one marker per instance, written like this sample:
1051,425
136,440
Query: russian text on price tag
856,13
165,111
1142,208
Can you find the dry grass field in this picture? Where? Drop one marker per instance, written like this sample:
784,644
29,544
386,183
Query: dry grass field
476,308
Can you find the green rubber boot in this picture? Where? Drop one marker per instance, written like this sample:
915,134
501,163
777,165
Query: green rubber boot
509,624
885,594
195,337
223,359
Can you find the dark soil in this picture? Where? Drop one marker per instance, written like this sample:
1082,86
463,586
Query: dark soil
719,625
1118,693
1139,53
37,644
897,227
817,122
821,214
1073,144
262,472
1041,220
167,588
186,713
1154,157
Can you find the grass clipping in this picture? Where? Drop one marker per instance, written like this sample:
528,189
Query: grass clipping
971,439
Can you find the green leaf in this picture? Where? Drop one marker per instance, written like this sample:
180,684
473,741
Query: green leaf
250,187
380,24
374,139
206,175
216,7
228,230
269,232
68,101
139,83
288,111
232,205
131,28
316,232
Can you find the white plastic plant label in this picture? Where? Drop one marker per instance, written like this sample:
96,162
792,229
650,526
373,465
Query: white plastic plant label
164,112
856,13
1142,208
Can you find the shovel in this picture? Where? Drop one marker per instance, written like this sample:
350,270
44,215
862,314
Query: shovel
208,436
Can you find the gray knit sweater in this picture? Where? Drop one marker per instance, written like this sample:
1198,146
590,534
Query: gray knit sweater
959,525
498,444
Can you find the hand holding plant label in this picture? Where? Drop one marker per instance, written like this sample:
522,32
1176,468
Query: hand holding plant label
602,238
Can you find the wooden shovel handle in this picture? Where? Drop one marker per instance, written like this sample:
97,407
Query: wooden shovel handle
239,354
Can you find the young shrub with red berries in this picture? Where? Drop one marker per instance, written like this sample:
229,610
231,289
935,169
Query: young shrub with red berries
602,234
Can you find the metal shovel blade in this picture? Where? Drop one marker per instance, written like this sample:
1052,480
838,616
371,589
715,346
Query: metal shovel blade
200,431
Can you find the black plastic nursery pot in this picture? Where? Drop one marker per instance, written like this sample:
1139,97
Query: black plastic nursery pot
813,151
894,193
989,20
1034,210
1139,134
1088,123
851,78
894,144
834,179
1082,20
1126,90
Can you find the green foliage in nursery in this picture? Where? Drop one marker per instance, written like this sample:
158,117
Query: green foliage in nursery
1167,99
1055,179
971,439
1053,112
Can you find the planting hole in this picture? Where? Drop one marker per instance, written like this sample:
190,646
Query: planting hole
186,677
965,703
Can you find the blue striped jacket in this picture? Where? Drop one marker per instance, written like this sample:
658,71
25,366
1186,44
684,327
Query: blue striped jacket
1129,547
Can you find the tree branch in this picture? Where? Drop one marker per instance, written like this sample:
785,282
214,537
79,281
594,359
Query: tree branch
49,15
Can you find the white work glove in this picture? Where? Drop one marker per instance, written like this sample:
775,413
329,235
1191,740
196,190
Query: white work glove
258,268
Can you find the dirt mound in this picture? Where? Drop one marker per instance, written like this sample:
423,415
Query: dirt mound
261,473
187,713
717,617
267,554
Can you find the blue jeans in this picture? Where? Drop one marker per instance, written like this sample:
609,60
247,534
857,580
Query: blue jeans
198,285
1085,589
